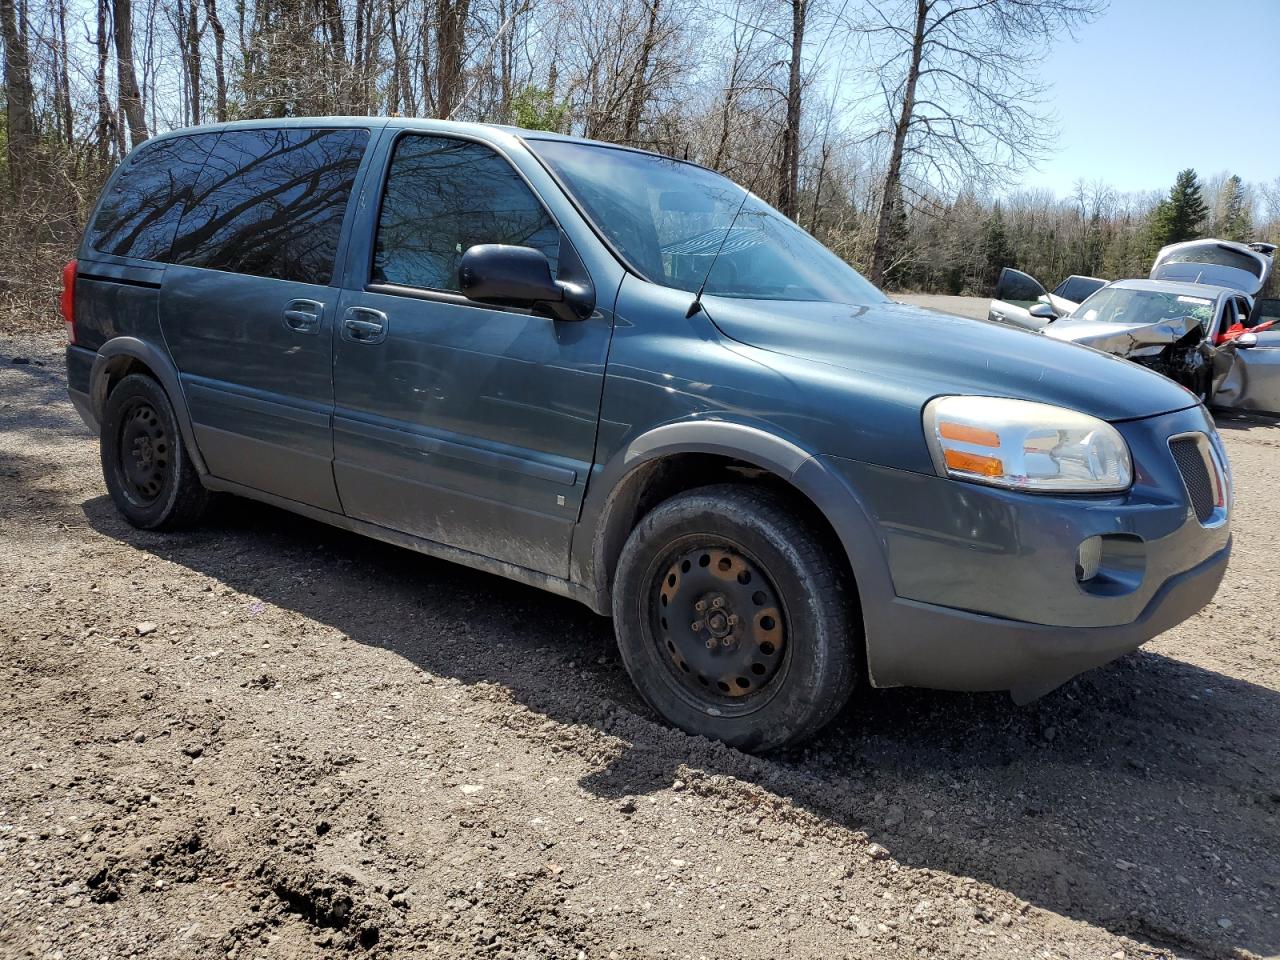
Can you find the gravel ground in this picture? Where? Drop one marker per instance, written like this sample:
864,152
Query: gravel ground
268,738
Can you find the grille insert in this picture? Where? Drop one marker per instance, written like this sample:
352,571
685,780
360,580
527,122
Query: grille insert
1193,464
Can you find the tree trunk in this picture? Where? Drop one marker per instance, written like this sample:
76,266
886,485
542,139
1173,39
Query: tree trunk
219,59
451,25
193,64
65,114
789,193
105,135
130,96
889,196
635,106
19,98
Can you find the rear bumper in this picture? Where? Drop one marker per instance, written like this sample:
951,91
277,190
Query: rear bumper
948,649
80,362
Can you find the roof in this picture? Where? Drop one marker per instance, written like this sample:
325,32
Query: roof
483,130
1205,290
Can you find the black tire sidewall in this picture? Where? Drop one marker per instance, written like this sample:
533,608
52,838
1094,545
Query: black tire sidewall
817,674
157,513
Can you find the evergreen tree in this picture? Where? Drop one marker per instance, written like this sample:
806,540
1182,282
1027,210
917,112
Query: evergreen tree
996,247
1235,222
1180,216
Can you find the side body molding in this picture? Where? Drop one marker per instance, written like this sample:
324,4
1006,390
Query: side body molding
114,355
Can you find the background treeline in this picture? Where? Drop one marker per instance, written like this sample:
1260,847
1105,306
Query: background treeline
886,127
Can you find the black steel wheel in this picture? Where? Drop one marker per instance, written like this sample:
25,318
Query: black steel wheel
734,617
144,452
720,622
145,464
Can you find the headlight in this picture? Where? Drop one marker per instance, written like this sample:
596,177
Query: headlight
1025,446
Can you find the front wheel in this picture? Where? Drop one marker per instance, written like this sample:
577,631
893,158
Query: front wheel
147,469
734,618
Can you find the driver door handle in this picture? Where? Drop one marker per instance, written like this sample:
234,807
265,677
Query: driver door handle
364,325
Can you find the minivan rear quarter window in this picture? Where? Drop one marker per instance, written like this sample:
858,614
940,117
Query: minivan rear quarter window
140,211
445,196
270,203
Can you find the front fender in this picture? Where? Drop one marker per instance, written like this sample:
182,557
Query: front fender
116,354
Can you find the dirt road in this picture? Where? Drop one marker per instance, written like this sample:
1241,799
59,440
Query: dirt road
267,738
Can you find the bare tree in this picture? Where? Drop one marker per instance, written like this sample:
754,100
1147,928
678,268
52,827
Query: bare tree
19,95
126,77
960,98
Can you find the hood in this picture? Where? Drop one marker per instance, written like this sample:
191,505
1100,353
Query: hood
915,354
1123,339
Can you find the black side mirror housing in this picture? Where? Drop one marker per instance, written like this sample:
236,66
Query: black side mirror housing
512,276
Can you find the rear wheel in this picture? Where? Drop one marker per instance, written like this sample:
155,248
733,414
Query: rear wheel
733,618
145,464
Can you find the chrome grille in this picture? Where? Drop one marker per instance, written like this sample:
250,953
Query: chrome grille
1193,463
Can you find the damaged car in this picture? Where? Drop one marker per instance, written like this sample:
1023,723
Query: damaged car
1196,320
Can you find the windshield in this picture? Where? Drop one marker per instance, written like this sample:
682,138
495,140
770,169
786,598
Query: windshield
669,220
1121,305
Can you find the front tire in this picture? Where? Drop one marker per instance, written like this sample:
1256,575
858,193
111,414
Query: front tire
145,464
734,618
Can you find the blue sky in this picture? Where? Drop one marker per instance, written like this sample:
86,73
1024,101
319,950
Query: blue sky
1154,86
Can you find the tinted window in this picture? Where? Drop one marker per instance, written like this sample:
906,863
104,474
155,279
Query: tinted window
1078,289
1014,286
1218,255
270,203
445,196
672,221
140,210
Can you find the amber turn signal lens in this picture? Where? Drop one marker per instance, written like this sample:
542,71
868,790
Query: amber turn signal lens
967,434
974,463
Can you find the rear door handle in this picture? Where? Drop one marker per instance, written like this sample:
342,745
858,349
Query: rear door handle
363,325
304,316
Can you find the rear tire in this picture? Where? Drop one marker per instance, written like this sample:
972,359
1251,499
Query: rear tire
734,618
145,464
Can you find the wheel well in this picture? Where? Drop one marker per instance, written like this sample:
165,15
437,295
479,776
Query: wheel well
664,478
116,369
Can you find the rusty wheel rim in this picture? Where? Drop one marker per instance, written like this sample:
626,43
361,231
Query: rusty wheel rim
719,624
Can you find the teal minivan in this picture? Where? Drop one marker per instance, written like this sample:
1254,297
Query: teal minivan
625,379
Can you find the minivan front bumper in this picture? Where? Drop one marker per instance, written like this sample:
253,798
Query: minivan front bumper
968,587
948,649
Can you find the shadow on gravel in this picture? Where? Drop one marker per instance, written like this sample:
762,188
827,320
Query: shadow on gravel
1143,797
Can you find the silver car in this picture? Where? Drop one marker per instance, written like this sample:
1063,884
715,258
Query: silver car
1197,320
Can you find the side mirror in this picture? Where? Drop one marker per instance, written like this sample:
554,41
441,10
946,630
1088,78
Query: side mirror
1246,340
508,275
511,276
1043,311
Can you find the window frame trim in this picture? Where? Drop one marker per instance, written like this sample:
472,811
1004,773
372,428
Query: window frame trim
454,297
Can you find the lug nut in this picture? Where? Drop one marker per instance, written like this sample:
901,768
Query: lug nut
711,643
718,602
700,605
695,626
733,619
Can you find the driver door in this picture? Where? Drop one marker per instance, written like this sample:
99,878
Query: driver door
1016,293
1253,382
463,423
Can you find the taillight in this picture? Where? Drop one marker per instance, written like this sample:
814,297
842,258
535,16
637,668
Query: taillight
68,300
